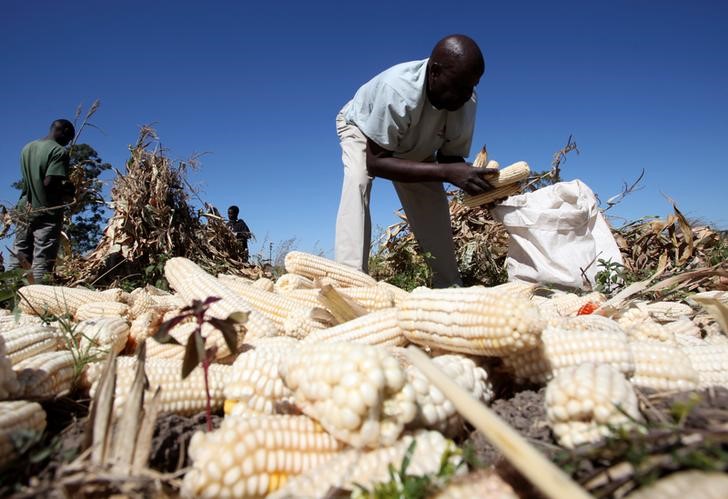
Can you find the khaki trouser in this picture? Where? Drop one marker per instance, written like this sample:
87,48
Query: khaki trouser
424,203
36,244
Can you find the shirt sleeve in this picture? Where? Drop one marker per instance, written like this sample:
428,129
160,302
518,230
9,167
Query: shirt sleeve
459,130
385,119
58,164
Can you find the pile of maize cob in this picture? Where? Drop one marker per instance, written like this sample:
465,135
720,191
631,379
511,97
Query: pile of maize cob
321,397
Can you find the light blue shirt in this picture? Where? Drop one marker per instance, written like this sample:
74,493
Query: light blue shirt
392,110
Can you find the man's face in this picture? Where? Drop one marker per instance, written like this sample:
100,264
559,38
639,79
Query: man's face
232,215
62,135
449,88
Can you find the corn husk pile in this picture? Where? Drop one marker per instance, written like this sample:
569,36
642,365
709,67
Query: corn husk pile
481,246
680,245
274,378
152,220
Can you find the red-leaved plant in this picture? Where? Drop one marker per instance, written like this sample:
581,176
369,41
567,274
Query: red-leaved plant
195,351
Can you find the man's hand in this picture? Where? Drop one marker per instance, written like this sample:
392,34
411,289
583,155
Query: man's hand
470,179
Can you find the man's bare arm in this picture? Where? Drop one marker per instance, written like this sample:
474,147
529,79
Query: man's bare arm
382,163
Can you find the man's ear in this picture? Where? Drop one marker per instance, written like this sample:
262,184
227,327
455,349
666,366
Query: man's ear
435,69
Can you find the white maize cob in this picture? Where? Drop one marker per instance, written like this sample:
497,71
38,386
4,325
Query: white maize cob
353,467
277,308
193,283
398,294
569,304
662,367
289,282
710,362
144,326
117,294
505,183
666,311
651,330
181,333
584,404
314,267
358,393
39,299
721,296
264,283
434,410
12,321
101,336
376,328
9,385
562,349
520,288
371,298
546,308
484,483
683,327
46,375
254,383
253,456
185,397
691,484
470,320
95,310
20,420
27,341
590,322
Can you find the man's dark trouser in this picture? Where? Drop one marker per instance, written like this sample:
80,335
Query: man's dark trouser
36,242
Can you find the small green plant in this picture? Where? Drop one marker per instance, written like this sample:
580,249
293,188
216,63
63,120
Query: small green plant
195,351
10,282
403,485
610,277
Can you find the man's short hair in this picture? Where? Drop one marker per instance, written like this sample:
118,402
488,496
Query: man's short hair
64,125
234,209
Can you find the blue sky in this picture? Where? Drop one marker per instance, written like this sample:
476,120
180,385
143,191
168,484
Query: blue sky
257,86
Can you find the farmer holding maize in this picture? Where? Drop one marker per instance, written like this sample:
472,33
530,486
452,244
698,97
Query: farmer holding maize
412,124
44,166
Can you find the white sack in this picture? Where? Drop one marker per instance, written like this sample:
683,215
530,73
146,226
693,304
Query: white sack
555,232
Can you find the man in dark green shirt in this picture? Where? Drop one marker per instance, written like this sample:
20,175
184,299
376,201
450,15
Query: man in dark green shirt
44,166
